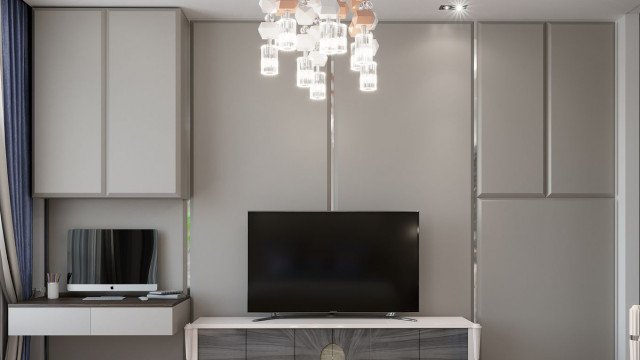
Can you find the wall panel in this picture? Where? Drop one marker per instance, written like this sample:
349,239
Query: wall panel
259,144
511,109
408,147
581,95
546,279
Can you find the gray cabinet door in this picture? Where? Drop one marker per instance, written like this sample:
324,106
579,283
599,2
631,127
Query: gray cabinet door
270,344
546,279
227,344
511,109
354,342
68,102
143,130
310,343
396,344
581,81
444,344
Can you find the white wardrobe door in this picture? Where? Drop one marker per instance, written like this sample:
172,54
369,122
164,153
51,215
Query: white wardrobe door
68,101
142,102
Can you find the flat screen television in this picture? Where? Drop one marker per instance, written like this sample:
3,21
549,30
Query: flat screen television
351,262
112,260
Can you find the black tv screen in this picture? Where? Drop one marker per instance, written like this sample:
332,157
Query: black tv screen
333,262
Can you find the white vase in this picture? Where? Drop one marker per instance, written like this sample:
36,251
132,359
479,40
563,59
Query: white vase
53,290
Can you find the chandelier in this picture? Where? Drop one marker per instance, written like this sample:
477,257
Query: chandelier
321,34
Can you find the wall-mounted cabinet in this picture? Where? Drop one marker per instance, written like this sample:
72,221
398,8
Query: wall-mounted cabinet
111,103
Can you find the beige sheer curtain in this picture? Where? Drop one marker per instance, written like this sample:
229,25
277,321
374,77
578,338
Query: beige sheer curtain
9,270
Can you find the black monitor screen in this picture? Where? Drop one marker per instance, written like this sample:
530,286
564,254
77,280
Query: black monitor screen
112,256
333,261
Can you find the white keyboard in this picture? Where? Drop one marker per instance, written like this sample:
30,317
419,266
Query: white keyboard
114,298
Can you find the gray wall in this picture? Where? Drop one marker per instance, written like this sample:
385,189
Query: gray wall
166,215
260,144
546,267
408,147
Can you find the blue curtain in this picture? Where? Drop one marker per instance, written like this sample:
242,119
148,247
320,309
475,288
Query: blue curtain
16,72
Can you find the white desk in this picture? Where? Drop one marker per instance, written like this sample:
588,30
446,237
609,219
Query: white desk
73,316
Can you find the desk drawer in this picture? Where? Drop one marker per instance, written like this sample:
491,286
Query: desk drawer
49,321
131,321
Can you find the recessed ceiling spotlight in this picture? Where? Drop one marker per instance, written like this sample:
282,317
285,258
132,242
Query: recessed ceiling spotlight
456,7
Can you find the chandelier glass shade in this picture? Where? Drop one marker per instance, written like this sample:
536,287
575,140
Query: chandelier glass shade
369,77
305,74
318,86
269,60
318,29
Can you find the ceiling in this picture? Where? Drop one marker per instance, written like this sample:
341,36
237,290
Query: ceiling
391,9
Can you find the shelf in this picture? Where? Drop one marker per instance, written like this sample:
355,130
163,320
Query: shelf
78,302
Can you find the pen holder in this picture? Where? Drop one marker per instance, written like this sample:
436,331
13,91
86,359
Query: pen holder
53,290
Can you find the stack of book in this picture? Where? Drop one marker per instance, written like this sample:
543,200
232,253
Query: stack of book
170,294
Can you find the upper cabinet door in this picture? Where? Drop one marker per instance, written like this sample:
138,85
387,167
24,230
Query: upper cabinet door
581,95
143,103
511,109
68,102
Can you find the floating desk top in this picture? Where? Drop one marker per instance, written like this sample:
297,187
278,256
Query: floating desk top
332,323
78,302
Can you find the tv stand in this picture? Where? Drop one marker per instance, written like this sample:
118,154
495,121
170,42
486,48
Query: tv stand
332,314
381,337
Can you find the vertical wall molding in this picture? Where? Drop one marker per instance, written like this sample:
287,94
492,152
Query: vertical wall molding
627,182
474,178
331,135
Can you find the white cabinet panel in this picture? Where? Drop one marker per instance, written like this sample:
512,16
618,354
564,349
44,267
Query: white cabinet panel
49,321
511,109
111,103
142,102
68,102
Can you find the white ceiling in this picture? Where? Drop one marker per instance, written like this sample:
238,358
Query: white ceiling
392,9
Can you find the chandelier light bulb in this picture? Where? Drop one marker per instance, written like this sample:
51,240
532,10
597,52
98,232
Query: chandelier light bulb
305,74
329,30
341,41
369,77
318,89
286,40
269,60
364,48
353,63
